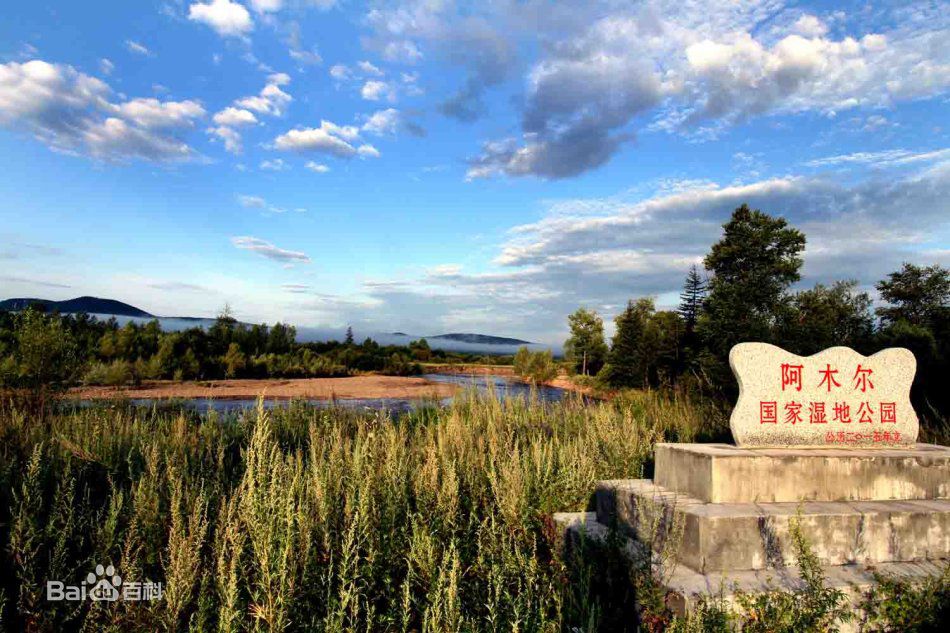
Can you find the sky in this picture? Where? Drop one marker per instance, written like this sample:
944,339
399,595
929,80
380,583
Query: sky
434,166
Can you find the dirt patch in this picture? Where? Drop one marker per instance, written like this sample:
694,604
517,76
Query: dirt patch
306,388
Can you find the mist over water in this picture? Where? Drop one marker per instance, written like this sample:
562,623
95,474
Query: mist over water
313,334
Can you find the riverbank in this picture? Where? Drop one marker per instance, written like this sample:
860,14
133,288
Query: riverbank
356,387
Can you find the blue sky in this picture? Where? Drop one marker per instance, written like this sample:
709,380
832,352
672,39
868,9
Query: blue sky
430,166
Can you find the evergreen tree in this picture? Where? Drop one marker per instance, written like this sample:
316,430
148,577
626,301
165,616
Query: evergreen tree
753,265
349,336
918,295
626,366
692,297
586,349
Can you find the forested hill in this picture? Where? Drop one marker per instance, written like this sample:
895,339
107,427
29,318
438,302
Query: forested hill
480,339
89,305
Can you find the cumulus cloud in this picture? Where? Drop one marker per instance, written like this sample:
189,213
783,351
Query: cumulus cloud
340,72
374,90
589,93
367,151
602,252
318,168
382,122
268,250
106,66
230,137
329,138
272,99
228,19
267,6
152,113
72,112
235,117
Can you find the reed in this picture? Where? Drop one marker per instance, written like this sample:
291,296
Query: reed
306,519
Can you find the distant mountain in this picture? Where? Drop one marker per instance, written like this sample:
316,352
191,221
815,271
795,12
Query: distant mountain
479,339
89,305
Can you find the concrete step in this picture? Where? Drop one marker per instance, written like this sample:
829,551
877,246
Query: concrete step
710,537
722,473
688,587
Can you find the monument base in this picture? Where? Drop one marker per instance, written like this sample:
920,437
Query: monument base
721,516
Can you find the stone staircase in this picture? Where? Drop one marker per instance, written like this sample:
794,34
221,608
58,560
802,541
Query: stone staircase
722,514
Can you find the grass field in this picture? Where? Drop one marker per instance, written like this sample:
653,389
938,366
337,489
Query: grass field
327,520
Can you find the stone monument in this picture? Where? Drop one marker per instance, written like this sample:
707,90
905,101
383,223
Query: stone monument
832,437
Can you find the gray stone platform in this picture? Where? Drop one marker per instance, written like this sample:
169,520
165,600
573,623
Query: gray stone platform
721,516
688,586
729,536
722,473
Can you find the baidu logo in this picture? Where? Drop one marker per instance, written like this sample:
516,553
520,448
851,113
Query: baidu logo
104,585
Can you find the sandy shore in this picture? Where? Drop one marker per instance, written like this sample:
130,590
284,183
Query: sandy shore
309,388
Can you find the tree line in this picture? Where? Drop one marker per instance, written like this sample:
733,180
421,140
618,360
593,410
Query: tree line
41,351
743,292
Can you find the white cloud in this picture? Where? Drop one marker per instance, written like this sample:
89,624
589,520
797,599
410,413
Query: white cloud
588,93
229,19
368,151
810,26
882,158
252,202
235,117
318,168
382,122
106,66
271,99
135,47
72,112
340,72
374,90
231,138
369,69
404,51
274,164
267,6
329,138
152,113
268,250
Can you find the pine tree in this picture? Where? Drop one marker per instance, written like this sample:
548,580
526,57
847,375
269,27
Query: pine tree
628,367
754,263
349,336
692,297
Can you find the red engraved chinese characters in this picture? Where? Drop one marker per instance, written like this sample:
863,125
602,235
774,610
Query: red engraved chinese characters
791,376
768,413
828,377
888,413
862,378
793,412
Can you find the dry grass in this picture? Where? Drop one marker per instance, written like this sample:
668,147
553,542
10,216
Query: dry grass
308,519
